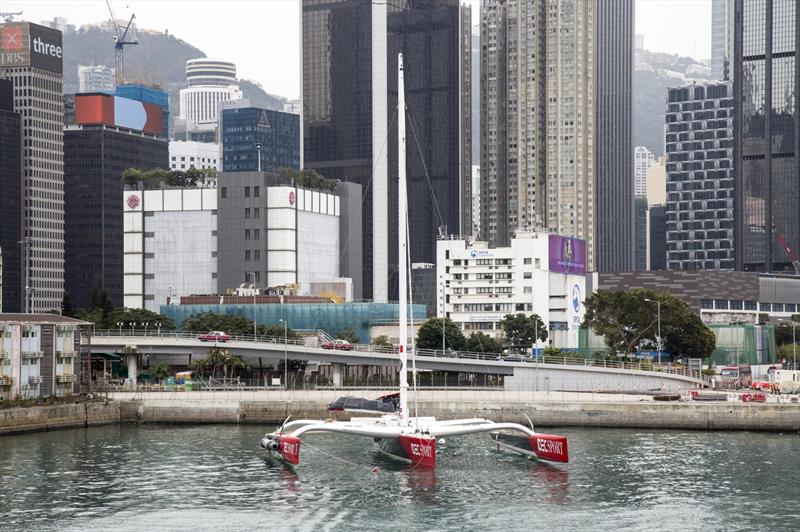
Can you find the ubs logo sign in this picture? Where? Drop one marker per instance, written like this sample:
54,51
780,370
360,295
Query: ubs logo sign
291,198
12,38
133,201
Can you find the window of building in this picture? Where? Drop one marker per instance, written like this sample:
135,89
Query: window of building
503,290
223,192
707,303
791,307
247,234
257,254
256,212
256,234
538,264
457,262
246,192
527,289
750,305
256,192
247,212
247,254
737,305
526,260
483,262
721,304
484,290
527,275
765,307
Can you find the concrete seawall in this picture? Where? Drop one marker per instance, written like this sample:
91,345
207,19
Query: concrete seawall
651,415
44,418
693,416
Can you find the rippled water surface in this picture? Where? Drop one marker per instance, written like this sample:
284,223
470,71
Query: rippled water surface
138,477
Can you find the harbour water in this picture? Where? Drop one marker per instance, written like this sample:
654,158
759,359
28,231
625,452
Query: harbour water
214,477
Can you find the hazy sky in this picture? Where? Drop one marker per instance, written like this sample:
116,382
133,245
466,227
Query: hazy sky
262,36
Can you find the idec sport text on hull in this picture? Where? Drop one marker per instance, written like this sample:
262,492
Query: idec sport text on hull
549,446
421,450
290,448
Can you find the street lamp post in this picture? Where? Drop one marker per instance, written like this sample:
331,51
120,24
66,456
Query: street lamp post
285,361
658,343
258,152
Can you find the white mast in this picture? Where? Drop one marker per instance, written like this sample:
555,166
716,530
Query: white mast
402,210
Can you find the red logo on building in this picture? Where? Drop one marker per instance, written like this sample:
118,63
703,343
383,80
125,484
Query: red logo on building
133,201
12,38
291,198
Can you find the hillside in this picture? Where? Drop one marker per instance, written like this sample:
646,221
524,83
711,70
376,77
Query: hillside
159,58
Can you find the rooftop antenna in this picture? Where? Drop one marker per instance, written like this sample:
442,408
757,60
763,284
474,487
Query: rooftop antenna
122,38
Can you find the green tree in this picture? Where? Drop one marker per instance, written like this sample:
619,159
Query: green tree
521,330
348,335
209,321
551,351
381,341
429,335
276,331
628,323
783,333
159,372
479,342
310,179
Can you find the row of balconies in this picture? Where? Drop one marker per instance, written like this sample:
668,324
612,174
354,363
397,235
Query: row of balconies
60,379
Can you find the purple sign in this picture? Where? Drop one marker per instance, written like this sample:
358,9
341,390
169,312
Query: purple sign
567,255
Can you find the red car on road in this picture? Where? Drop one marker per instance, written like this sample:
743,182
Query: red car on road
338,344
214,336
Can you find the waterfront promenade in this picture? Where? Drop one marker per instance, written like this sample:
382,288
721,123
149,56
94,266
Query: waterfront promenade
543,409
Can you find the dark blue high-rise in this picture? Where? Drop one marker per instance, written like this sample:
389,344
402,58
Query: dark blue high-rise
245,128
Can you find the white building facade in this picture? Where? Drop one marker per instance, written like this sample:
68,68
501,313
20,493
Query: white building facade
186,154
538,273
170,245
96,78
642,159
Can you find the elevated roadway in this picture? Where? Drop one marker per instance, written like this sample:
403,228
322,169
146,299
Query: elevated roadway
180,348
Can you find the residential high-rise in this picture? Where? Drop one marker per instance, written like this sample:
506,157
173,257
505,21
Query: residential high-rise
350,52
722,39
250,133
97,150
31,58
96,78
539,112
642,159
614,213
699,177
11,299
766,166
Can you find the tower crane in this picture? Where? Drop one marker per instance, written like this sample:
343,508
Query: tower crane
122,38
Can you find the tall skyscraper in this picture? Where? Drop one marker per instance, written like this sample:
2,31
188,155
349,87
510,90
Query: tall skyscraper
97,149
766,169
615,216
211,82
31,58
11,299
539,87
699,177
722,39
350,118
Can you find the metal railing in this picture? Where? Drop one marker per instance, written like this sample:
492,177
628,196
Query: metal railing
313,342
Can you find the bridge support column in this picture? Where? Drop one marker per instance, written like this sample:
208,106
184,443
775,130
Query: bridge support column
133,370
337,372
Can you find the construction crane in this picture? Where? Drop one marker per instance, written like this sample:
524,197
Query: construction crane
785,245
122,38
9,17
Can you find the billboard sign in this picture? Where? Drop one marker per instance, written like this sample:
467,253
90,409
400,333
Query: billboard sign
96,109
26,44
567,255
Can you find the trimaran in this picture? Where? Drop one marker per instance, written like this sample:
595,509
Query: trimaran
412,439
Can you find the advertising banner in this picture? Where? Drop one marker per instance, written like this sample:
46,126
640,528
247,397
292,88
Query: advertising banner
95,109
26,44
567,255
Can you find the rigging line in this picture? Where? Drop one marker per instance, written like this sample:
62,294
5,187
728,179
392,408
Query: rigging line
317,449
425,167
367,187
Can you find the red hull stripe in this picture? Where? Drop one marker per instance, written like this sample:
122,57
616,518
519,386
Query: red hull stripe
421,450
550,447
290,449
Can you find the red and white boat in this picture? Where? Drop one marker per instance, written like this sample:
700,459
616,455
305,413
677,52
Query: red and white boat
412,439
